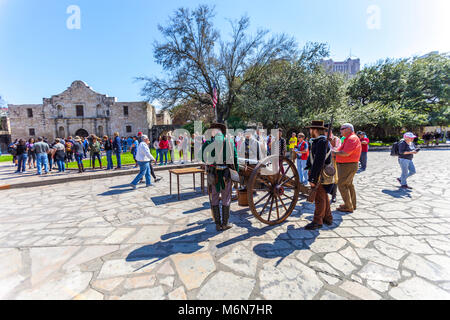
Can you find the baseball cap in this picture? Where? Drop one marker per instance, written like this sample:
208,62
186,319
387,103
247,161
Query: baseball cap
409,135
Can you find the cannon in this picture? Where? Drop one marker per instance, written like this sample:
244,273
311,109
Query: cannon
272,187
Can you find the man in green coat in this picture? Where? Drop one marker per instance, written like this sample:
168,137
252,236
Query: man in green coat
220,155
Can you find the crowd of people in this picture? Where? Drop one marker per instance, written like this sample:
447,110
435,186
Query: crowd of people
45,155
345,154
49,155
434,137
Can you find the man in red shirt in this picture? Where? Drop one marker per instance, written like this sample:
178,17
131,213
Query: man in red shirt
302,152
347,159
364,149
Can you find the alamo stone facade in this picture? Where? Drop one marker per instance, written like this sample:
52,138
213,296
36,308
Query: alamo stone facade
80,111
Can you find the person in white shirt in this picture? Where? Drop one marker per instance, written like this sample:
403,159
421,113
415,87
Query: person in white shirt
143,158
185,145
171,149
156,147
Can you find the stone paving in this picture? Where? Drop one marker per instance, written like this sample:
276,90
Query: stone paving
98,239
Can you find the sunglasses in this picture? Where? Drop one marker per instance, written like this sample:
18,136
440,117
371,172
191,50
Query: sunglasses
344,128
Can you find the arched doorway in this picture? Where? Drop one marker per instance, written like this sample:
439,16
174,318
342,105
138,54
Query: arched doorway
100,131
82,133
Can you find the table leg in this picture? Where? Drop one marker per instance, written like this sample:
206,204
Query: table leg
203,182
170,179
193,176
178,184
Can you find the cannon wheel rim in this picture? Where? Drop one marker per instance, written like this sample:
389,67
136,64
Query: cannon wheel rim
268,193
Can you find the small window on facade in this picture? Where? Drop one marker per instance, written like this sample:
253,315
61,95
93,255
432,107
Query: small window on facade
31,132
107,113
125,111
30,113
128,129
80,111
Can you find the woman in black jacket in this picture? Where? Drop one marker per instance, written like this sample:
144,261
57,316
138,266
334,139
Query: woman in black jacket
22,156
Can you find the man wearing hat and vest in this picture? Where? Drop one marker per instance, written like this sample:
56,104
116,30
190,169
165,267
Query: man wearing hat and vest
219,175
319,157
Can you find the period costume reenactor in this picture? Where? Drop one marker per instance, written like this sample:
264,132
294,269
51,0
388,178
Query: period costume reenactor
335,144
220,173
319,158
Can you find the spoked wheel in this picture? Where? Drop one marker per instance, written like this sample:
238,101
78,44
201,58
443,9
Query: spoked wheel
273,190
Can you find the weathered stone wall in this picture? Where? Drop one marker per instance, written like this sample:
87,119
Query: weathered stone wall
20,122
163,119
141,117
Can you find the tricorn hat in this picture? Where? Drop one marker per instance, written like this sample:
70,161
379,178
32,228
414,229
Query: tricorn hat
316,124
219,126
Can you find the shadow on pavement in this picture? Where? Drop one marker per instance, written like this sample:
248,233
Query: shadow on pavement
177,242
171,198
294,239
116,191
399,193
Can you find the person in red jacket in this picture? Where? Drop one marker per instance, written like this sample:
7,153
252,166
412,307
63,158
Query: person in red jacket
163,150
364,149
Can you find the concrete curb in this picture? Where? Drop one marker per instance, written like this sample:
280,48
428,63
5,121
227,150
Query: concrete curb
81,177
422,147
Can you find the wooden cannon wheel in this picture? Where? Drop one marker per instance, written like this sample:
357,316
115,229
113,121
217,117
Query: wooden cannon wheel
273,190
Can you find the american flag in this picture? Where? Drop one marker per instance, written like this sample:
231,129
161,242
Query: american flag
214,97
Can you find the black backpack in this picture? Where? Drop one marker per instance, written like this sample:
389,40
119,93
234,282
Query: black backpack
394,149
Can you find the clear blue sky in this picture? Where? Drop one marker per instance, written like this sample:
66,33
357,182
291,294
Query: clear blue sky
40,56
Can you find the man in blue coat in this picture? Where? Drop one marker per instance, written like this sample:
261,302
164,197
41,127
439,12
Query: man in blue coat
117,146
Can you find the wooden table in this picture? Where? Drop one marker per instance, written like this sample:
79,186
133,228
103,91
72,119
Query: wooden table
180,172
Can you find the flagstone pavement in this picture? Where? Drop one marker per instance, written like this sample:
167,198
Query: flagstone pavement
99,239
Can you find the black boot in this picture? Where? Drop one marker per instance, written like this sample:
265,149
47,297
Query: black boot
79,168
225,218
82,167
216,217
333,193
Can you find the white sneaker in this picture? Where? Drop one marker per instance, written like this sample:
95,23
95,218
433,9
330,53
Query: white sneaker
133,186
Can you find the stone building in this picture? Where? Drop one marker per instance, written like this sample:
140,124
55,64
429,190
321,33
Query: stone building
80,111
349,67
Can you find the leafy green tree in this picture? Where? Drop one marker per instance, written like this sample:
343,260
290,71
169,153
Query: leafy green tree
293,92
194,63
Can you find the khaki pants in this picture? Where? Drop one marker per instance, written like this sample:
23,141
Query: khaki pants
322,210
346,173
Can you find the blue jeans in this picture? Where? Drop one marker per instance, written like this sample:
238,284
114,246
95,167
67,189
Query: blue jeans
157,155
61,165
163,153
408,170
119,160
42,159
144,171
21,162
109,159
301,165
79,158
363,160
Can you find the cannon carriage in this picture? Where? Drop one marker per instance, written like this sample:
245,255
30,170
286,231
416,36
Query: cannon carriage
272,188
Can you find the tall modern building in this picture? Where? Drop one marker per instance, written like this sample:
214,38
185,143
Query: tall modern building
349,67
